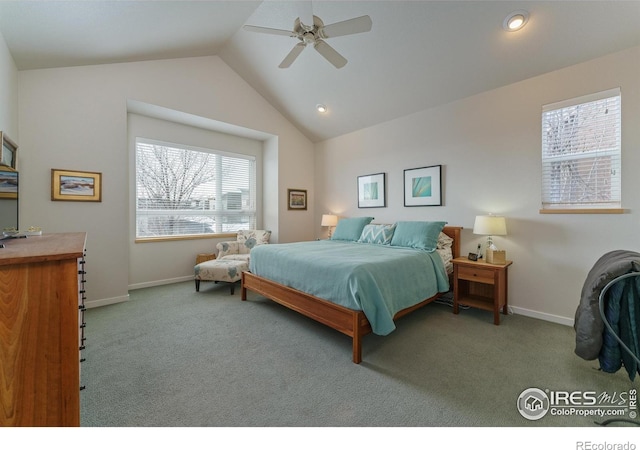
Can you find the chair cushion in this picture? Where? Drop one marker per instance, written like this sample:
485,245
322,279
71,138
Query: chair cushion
239,257
228,270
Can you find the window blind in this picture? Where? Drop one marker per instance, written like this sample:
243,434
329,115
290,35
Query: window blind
581,147
183,190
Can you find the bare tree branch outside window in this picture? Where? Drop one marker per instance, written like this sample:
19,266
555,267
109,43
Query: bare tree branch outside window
581,154
182,191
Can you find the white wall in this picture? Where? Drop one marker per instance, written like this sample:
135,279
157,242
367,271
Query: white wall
8,93
76,118
490,148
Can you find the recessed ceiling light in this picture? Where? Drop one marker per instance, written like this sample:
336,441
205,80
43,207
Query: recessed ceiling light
321,108
516,20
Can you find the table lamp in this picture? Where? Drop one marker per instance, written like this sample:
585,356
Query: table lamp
490,226
329,220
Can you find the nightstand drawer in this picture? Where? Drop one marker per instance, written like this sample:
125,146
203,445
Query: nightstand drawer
476,274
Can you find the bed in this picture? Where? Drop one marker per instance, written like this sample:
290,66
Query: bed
359,271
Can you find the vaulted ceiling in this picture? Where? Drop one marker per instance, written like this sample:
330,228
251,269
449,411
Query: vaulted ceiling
418,54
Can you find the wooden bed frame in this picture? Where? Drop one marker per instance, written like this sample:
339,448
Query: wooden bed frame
347,321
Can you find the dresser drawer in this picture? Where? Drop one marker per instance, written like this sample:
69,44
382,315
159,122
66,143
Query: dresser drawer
476,274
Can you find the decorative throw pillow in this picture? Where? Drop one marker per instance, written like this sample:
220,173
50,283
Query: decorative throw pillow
377,234
350,229
423,235
444,241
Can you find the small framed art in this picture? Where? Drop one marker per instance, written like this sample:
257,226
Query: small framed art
8,184
8,157
423,186
297,198
75,186
372,191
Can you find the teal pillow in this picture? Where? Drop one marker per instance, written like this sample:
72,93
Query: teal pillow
350,229
377,234
423,235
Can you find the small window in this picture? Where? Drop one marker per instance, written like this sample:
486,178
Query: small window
186,191
581,164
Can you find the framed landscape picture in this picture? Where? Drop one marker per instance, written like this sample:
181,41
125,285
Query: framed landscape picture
372,191
75,186
297,198
8,184
423,186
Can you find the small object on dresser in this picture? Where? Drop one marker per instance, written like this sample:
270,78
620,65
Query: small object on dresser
496,256
9,231
473,256
33,231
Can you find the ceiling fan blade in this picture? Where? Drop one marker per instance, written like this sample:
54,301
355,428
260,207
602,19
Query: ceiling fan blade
269,31
352,26
330,54
293,54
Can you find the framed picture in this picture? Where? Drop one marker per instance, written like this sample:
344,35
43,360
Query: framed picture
74,186
371,191
297,198
423,186
8,184
9,151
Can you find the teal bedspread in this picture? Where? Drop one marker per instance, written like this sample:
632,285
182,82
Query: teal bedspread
379,280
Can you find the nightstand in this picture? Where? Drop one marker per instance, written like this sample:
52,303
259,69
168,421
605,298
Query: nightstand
480,285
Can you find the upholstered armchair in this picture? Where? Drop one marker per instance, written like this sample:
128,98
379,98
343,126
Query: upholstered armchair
240,249
232,259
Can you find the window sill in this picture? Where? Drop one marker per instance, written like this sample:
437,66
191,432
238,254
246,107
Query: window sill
584,211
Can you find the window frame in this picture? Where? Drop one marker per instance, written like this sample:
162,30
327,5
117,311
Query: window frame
615,206
253,187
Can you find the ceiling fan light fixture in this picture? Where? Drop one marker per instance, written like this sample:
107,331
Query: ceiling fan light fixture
321,108
516,20
315,35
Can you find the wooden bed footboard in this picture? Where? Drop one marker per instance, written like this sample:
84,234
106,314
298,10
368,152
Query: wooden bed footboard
347,321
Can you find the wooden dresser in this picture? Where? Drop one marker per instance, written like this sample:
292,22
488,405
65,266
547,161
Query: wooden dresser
41,329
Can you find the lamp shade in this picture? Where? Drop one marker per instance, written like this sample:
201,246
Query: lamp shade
490,225
329,220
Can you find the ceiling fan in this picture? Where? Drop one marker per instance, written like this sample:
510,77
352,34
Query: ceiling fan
316,34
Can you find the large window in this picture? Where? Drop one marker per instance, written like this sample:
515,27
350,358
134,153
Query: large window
581,153
186,191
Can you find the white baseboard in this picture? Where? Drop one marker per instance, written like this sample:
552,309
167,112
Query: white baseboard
106,301
133,287
512,309
125,298
543,316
